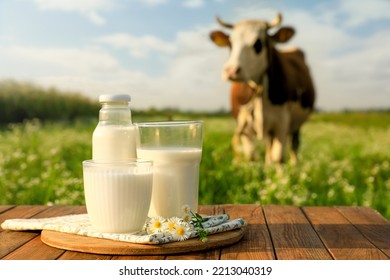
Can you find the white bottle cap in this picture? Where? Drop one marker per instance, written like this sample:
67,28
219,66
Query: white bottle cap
114,98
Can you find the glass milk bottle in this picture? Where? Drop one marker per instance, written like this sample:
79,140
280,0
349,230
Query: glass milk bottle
114,137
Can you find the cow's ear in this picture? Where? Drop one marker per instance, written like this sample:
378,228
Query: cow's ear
220,39
283,35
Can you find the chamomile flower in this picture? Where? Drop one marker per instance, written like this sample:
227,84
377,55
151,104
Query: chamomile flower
186,209
186,218
182,231
156,225
172,223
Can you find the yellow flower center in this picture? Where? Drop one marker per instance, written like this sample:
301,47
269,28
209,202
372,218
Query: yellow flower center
157,224
186,218
180,231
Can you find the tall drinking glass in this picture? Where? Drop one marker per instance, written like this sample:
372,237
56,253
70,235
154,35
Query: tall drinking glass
175,147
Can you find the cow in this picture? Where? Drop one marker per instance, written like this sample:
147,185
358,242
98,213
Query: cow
276,85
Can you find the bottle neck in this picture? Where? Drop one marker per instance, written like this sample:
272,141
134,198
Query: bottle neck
115,113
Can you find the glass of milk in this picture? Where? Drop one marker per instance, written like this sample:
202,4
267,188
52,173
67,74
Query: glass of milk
118,194
176,150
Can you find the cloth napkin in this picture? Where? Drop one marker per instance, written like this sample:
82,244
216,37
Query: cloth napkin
80,224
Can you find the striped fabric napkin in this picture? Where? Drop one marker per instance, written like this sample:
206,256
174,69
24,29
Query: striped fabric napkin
80,224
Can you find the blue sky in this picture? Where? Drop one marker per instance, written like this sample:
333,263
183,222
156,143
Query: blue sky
159,52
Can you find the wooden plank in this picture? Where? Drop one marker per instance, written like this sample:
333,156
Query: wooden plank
21,212
61,210
11,240
70,255
342,238
4,208
145,257
256,243
371,224
292,235
34,250
27,244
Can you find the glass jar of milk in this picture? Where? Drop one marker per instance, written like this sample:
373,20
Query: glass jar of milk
114,137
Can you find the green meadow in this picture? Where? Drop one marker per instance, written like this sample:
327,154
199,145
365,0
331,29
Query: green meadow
344,160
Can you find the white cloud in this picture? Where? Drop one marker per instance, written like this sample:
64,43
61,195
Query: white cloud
192,80
359,78
88,8
138,46
95,18
360,14
154,3
193,3
194,74
349,71
91,71
73,5
78,60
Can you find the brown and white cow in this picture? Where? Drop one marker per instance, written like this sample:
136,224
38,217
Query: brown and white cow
276,84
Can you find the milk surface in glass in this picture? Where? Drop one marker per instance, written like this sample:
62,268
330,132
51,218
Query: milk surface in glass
175,179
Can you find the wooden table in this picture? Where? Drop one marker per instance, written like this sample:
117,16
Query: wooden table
273,232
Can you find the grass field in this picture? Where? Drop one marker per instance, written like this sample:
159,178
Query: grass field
344,160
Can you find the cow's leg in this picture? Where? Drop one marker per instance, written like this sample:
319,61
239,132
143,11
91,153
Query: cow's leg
244,146
280,134
278,146
258,120
249,147
295,141
277,153
268,147
241,122
244,140
236,146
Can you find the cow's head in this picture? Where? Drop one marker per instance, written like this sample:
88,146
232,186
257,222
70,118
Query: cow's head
249,44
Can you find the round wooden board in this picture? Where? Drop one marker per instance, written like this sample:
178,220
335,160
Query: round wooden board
86,244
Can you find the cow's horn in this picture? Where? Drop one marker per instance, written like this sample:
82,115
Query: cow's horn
224,24
276,21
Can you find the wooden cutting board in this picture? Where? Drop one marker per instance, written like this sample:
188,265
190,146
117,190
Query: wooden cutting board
94,245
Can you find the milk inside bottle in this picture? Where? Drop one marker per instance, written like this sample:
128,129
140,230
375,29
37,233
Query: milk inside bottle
114,137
